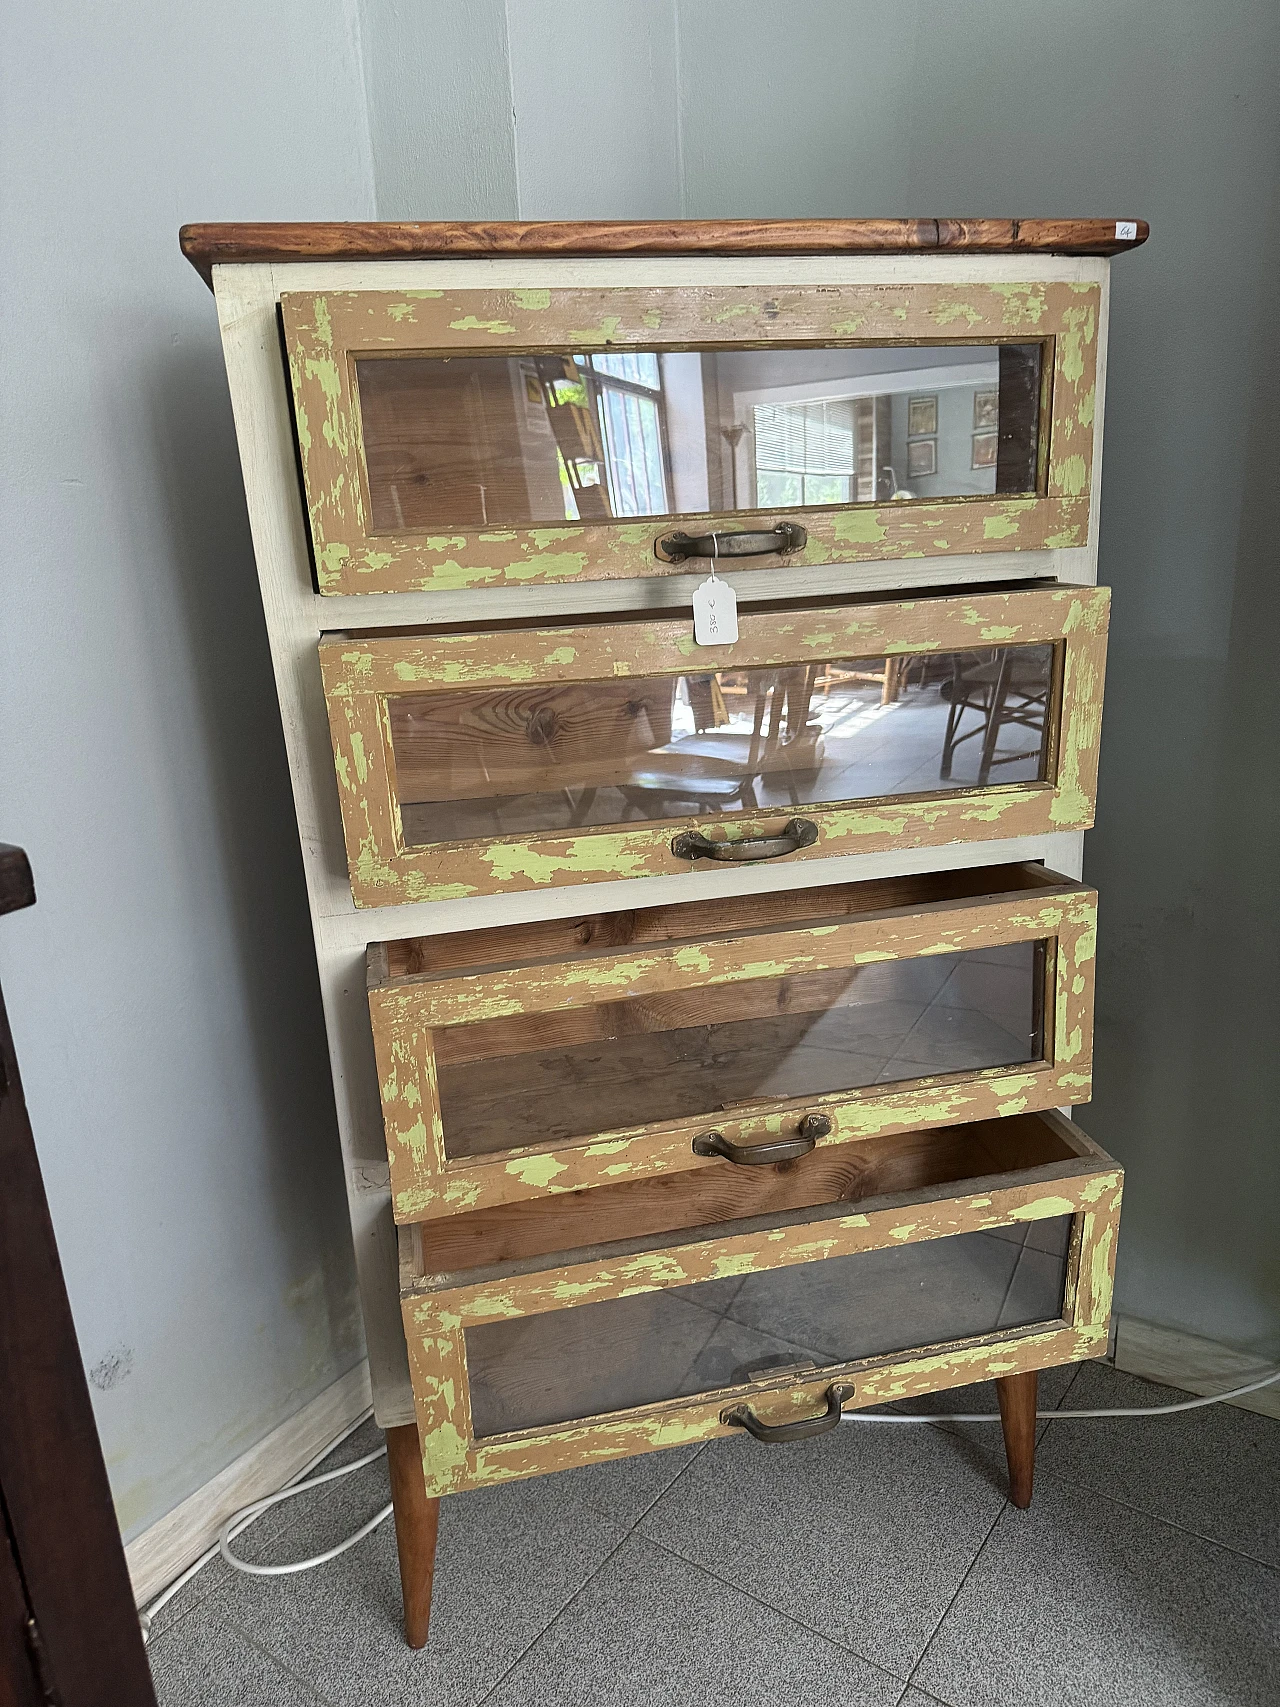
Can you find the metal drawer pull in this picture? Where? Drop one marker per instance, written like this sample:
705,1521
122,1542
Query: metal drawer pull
787,536
798,833
811,1128
776,1434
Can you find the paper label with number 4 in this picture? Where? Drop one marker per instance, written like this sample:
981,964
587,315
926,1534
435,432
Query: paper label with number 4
715,613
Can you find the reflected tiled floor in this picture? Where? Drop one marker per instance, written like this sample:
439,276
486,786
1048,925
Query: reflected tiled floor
877,1567
894,1021
869,750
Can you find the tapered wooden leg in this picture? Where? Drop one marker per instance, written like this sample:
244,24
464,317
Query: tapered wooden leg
1017,1397
417,1516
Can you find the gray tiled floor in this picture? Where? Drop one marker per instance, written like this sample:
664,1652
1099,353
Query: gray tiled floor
878,1567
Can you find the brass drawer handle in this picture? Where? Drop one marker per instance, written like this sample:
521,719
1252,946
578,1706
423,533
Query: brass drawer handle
798,833
776,1434
811,1128
787,536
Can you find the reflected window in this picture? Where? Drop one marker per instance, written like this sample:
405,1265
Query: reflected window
629,391
805,453
595,436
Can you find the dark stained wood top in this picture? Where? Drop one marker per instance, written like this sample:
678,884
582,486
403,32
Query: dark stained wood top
208,245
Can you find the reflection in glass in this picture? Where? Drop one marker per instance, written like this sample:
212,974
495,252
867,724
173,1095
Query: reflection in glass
479,763
500,441
539,1078
537,1371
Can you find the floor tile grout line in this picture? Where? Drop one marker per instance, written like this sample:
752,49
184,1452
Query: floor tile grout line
555,1618
946,1611
305,1684
658,1497
790,1618
1167,1522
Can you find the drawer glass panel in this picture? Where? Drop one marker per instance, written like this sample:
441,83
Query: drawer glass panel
542,1077
481,763
537,1371
456,442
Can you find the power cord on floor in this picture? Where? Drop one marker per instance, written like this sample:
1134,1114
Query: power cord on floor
1061,1416
302,1483
240,1520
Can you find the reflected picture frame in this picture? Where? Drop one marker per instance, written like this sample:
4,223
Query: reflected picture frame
985,448
922,457
922,417
986,411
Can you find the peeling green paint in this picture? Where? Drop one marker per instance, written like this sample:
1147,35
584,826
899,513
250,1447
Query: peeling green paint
999,527
535,1170
859,527
495,328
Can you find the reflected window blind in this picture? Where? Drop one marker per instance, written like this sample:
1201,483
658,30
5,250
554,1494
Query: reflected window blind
806,438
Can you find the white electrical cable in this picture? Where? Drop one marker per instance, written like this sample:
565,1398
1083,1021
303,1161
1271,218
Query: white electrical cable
1062,1416
241,1519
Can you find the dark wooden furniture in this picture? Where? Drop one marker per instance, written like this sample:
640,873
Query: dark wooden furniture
69,1633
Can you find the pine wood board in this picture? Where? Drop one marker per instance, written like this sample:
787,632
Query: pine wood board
207,245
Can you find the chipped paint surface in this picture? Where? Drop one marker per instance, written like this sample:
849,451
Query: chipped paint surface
323,332
360,676
405,1016
436,1321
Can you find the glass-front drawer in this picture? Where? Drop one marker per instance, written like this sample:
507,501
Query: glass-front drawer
457,438
476,762
931,1260
727,1037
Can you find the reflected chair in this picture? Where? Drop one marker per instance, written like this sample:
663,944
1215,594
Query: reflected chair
718,769
1007,688
891,675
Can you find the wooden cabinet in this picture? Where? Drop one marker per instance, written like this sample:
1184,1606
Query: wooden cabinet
470,763
938,1258
481,438
793,1068
717,1036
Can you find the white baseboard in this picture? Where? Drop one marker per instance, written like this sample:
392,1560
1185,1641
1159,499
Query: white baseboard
177,1540
1177,1359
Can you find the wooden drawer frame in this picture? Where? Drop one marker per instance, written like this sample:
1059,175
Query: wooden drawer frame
362,674
427,1183
324,333
438,1309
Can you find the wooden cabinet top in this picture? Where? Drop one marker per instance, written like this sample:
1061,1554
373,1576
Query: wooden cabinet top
208,245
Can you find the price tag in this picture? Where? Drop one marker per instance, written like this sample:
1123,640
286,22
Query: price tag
1126,229
715,613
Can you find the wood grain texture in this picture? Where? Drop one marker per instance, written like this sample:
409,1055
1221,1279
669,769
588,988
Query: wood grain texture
427,1182
844,1172
417,1519
363,676
224,244
487,948
1016,1396
438,1311
324,334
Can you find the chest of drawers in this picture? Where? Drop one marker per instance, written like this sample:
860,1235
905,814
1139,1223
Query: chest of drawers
764,1125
